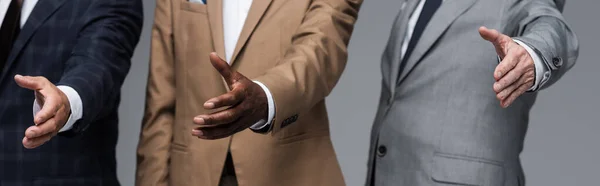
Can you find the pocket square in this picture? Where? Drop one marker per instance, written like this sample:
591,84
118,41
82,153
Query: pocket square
198,1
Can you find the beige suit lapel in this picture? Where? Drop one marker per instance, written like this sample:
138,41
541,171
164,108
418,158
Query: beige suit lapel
257,10
215,18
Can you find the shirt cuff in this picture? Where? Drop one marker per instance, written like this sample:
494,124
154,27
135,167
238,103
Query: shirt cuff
262,123
542,74
74,101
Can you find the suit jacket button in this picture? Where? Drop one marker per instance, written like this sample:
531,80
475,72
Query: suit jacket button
381,150
557,61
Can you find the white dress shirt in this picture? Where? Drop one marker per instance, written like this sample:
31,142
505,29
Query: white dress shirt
72,95
541,71
234,17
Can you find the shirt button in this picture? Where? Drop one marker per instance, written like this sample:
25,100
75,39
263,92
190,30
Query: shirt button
381,150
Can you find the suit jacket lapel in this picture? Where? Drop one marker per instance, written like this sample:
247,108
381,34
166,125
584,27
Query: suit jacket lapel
215,19
443,18
215,16
259,7
397,37
42,11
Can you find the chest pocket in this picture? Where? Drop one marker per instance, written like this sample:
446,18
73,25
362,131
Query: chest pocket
191,32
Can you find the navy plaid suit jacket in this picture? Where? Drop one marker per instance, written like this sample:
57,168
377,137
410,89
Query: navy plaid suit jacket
84,44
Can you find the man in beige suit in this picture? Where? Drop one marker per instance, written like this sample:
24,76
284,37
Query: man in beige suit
256,117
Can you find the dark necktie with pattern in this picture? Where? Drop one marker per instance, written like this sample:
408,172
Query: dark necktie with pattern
426,14
9,30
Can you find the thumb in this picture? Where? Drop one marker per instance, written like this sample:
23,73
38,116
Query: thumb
28,82
39,97
499,40
49,109
222,66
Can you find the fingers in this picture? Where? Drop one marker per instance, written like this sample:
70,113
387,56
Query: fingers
219,131
229,99
514,95
222,66
514,76
502,95
527,78
212,133
38,135
507,64
48,127
499,40
31,143
49,110
516,64
219,118
510,78
31,83
38,84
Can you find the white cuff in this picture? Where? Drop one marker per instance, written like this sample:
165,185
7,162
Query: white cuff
542,74
262,123
74,101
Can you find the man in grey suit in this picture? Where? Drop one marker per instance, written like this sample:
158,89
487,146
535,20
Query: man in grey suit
439,121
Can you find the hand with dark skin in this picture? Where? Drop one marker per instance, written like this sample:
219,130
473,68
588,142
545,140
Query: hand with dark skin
54,113
516,73
246,102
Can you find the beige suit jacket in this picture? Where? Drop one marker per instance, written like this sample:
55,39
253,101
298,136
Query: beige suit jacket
297,48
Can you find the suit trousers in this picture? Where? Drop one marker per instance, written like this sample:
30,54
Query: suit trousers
228,177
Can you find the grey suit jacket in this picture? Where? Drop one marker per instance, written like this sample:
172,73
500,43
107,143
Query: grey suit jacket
439,122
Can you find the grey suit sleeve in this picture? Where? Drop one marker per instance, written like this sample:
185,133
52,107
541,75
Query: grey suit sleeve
542,26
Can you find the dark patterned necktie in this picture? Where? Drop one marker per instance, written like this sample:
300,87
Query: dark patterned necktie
9,30
426,14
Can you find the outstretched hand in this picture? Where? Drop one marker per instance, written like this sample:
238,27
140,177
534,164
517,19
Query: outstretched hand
54,113
516,73
246,102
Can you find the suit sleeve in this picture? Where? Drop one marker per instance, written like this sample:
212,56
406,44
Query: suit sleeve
101,57
156,133
313,64
545,30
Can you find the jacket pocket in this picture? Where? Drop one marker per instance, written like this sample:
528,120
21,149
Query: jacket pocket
302,135
193,7
461,170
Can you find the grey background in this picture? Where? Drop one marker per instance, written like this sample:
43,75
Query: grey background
562,146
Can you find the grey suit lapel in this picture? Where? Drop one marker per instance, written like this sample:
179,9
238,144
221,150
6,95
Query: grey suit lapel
394,46
443,18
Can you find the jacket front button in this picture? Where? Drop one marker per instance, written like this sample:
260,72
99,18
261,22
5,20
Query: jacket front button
381,150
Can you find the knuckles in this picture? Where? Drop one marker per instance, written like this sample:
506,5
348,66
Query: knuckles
229,115
520,51
230,97
529,80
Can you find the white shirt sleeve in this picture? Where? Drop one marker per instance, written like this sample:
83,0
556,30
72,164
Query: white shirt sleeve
262,123
542,74
74,101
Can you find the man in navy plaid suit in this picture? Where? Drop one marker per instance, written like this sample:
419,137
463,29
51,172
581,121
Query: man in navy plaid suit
66,60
